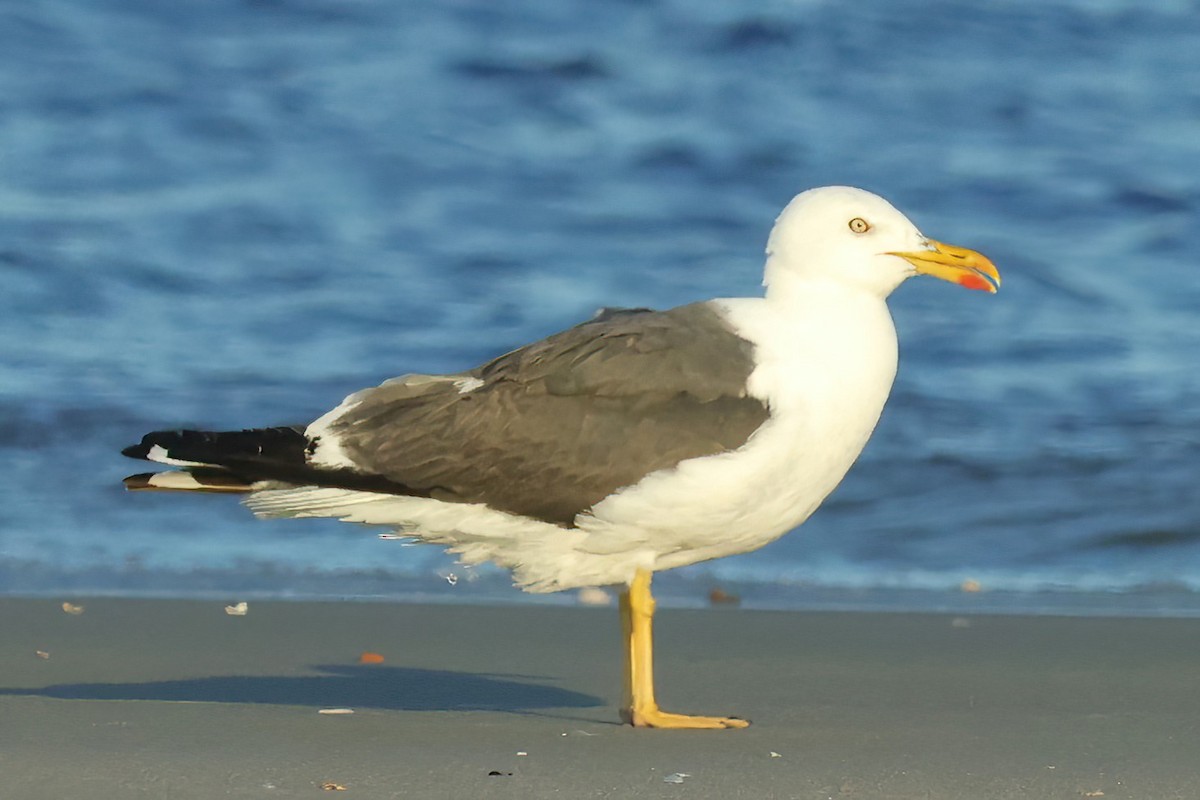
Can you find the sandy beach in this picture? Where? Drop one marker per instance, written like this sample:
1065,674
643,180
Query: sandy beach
177,699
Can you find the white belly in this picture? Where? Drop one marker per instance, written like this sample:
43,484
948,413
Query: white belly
825,400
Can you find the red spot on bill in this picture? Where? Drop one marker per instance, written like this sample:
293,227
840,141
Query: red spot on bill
972,281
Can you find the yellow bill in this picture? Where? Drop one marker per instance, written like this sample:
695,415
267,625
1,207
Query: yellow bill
958,265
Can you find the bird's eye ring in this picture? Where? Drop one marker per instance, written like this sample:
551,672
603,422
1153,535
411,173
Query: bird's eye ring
859,225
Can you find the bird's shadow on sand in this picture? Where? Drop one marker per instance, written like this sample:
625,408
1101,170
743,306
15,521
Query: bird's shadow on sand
350,686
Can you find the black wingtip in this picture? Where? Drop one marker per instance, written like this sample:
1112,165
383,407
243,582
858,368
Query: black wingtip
140,450
164,439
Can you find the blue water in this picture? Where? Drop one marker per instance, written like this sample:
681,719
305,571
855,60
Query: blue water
222,214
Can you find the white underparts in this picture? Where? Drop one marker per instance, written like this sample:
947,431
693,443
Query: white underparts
535,551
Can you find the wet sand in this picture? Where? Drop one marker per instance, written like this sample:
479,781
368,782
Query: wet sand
177,699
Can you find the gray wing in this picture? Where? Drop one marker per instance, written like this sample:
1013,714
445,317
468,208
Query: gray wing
549,430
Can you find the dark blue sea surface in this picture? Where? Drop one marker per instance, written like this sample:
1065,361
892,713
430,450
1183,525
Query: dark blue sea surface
222,214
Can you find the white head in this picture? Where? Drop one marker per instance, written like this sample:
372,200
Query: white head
858,239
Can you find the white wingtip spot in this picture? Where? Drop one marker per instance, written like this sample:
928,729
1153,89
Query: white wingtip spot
159,454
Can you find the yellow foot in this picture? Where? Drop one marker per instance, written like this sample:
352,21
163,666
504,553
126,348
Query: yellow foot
653,718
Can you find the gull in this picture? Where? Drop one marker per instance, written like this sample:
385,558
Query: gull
635,442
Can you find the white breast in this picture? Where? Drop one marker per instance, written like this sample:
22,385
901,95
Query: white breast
825,371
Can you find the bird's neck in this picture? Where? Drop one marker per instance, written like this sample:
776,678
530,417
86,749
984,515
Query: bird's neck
807,328
806,299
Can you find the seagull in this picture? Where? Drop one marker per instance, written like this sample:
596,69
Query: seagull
635,442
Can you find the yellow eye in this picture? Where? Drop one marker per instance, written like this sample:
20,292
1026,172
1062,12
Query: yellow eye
859,225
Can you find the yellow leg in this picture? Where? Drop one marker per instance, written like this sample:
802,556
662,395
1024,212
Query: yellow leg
627,643
638,705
